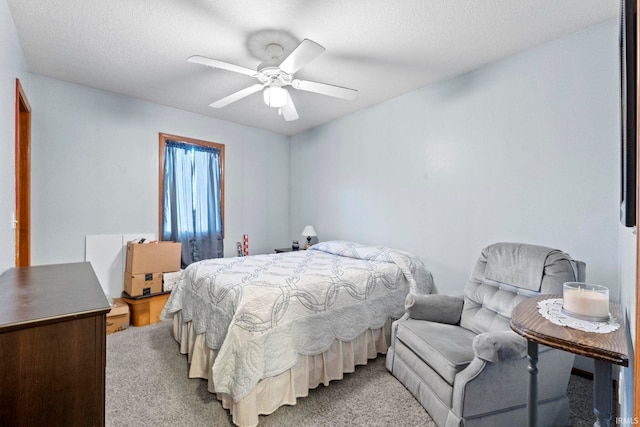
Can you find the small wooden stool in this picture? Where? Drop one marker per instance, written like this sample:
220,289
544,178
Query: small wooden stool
146,309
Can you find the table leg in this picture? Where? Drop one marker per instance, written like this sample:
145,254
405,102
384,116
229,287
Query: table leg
602,398
532,355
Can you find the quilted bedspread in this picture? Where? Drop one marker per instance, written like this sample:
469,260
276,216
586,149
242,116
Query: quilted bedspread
261,311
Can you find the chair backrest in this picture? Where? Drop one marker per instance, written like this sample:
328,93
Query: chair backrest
508,273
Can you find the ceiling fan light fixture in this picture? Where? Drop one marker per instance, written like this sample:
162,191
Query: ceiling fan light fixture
275,96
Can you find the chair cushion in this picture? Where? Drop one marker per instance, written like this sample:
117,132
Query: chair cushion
517,264
447,349
488,307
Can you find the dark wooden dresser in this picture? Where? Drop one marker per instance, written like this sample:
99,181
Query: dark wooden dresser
52,346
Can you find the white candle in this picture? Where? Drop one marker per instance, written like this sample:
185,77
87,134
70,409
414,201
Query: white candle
586,302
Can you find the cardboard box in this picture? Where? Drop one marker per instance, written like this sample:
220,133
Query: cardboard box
142,284
146,310
118,317
171,280
153,257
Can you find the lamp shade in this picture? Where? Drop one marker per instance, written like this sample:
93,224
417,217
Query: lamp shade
309,231
275,96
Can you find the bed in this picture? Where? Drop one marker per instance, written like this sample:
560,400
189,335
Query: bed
265,329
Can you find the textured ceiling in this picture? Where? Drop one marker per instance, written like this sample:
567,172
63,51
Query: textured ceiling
382,48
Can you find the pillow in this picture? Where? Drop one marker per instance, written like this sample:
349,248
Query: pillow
434,308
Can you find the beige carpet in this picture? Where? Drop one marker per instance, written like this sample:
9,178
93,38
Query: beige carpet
147,385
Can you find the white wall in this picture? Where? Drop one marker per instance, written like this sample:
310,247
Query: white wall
95,170
12,66
525,149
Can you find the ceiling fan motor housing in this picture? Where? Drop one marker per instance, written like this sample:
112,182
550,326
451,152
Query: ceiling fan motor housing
274,76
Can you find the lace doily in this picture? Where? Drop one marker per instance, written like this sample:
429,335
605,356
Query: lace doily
551,309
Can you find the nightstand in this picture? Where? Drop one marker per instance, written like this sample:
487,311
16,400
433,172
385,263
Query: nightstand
280,250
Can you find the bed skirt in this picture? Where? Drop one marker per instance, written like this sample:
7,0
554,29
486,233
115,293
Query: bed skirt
271,393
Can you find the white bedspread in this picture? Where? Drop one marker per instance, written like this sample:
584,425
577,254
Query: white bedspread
261,311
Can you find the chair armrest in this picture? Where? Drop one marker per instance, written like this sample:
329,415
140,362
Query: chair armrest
499,346
434,308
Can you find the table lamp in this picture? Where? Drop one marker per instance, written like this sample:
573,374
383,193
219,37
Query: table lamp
309,232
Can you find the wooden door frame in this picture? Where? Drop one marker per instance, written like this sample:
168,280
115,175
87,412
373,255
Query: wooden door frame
22,218
636,352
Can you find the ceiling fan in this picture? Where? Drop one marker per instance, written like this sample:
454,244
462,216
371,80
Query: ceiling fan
276,73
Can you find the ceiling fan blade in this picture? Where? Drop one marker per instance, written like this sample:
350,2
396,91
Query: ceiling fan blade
325,89
237,96
306,51
214,63
289,110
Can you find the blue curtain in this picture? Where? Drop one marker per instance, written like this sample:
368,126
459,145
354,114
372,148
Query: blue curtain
192,213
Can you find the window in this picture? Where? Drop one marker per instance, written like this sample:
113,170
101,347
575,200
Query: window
192,196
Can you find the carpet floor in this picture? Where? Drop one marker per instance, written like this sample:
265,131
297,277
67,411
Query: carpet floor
147,385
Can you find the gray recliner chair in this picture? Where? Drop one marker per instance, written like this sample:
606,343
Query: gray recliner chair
458,355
